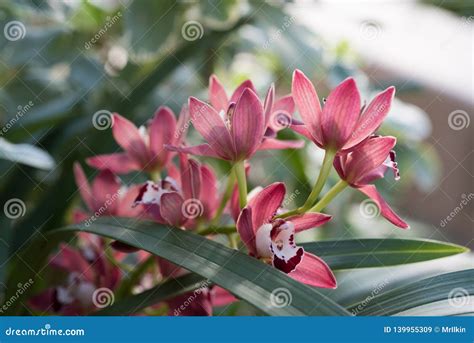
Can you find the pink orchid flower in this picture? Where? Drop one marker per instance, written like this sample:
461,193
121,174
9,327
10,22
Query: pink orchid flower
234,129
86,270
342,124
278,114
106,196
143,147
273,239
180,199
367,163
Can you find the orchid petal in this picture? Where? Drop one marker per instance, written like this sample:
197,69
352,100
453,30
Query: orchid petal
190,177
125,206
105,191
240,89
315,272
303,130
211,126
217,94
385,209
162,131
171,208
247,124
307,102
281,116
368,157
209,191
340,113
268,104
83,186
221,297
199,150
119,163
266,203
128,137
182,124
372,117
246,230
308,220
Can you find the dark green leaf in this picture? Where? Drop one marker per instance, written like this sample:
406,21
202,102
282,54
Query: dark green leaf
167,290
363,253
242,275
456,286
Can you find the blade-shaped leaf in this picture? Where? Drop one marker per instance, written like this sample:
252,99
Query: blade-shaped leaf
166,290
363,253
242,275
457,287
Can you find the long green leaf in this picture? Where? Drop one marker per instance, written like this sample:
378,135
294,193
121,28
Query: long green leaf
363,253
457,286
242,275
167,290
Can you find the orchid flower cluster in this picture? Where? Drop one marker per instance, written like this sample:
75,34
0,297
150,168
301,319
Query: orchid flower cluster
186,195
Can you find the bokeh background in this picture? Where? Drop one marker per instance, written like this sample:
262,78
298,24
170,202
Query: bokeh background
63,62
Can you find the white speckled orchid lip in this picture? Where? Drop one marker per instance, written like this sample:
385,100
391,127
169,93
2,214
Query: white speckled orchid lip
286,255
151,193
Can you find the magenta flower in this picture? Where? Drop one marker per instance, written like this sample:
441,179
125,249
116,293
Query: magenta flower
86,270
367,163
143,147
181,198
341,124
235,129
273,239
106,196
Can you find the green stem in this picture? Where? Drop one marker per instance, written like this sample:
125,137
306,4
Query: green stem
155,176
239,169
322,177
225,198
134,276
329,196
216,230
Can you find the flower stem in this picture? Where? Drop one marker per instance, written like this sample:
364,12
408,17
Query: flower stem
225,198
155,176
329,196
215,230
239,169
322,177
